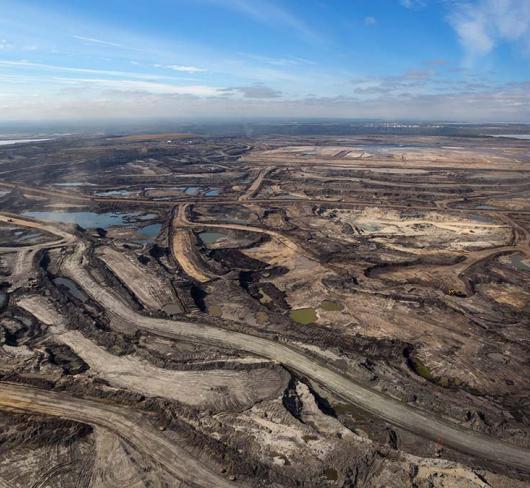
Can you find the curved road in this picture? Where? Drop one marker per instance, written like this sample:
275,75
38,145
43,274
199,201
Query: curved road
124,422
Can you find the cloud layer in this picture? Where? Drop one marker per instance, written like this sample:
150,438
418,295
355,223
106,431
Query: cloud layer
481,26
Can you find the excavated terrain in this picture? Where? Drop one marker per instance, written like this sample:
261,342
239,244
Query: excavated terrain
183,311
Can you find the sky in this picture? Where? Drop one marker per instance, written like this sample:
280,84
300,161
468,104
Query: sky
449,60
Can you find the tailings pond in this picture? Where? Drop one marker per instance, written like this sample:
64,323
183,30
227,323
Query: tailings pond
90,220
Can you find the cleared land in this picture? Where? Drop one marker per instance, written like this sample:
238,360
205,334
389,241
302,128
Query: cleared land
273,311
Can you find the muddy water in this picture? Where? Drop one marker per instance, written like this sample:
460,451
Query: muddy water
172,308
209,237
331,306
213,192
3,299
486,219
516,260
74,184
524,137
72,287
113,193
304,315
486,207
88,220
150,231
192,190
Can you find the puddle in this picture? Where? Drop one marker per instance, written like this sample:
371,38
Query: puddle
172,308
397,170
331,474
74,183
3,299
370,227
208,237
486,219
331,306
516,261
486,207
150,231
89,220
73,289
303,316
192,190
213,192
113,193
523,137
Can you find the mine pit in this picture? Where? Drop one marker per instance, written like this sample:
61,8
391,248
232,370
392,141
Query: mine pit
281,309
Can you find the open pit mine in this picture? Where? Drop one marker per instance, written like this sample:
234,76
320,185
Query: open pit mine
186,311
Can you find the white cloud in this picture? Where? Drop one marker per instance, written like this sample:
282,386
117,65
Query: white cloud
484,24
369,21
413,4
506,103
92,40
147,87
5,46
268,13
88,71
276,61
181,69
257,90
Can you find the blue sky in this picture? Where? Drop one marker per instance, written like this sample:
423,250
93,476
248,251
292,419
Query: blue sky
394,59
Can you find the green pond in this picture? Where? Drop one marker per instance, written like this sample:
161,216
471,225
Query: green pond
209,237
517,262
331,306
303,315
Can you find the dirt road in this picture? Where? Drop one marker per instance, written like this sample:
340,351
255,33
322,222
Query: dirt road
256,184
124,422
183,247
24,261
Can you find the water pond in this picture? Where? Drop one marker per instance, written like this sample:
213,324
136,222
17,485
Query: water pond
88,220
516,261
113,193
213,192
192,190
209,237
74,184
304,316
486,207
331,306
72,287
3,299
150,231
486,219
172,308
524,137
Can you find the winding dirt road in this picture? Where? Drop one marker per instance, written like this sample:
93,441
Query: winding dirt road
26,254
124,422
256,184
